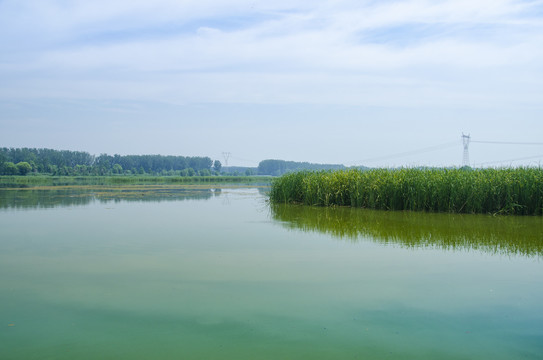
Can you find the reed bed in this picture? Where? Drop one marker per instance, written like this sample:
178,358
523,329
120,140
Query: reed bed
515,191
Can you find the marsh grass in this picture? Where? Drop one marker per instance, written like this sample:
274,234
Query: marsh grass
517,191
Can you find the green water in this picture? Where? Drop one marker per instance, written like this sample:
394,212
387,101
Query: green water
203,273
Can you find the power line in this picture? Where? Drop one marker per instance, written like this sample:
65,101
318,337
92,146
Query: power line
245,160
226,155
507,142
407,153
510,160
466,139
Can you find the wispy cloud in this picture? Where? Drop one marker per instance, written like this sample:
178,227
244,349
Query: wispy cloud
395,52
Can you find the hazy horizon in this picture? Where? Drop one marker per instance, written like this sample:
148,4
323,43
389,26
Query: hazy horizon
379,84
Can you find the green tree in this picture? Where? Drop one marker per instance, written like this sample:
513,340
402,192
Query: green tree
117,169
217,166
80,170
23,168
10,168
52,169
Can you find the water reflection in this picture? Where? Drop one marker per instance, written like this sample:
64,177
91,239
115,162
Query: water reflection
73,196
511,235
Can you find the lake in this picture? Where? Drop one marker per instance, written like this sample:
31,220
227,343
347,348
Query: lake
196,272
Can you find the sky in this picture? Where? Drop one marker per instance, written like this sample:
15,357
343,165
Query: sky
374,83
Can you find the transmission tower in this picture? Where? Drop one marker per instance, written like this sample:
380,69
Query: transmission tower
465,141
226,155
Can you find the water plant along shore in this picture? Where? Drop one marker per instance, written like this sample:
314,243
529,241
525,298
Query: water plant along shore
515,191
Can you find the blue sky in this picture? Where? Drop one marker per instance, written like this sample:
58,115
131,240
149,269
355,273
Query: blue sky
352,82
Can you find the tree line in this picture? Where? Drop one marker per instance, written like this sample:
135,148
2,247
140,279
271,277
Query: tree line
22,161
280,167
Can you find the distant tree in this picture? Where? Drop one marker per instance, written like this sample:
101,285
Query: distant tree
117,169
23,168
65,171
10,168
80,170
52,169
279,167
33,167
217,166
64,162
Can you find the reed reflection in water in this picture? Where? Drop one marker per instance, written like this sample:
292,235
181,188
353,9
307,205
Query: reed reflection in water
505,235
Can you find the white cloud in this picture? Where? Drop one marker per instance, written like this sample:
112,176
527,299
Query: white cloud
312,52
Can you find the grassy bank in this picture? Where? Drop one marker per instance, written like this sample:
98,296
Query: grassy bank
31,181
516,191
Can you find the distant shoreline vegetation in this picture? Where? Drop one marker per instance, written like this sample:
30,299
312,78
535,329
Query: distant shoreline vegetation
32,161
514,191
21,182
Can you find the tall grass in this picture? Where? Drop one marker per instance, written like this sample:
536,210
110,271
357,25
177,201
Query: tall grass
517,191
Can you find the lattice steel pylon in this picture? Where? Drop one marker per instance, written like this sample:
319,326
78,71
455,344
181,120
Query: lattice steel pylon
465,142
226,155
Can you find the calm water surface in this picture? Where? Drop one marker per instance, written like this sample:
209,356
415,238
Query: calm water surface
196,273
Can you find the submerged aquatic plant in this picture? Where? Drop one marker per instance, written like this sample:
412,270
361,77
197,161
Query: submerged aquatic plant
517,191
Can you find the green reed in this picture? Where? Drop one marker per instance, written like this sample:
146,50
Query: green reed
517,191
